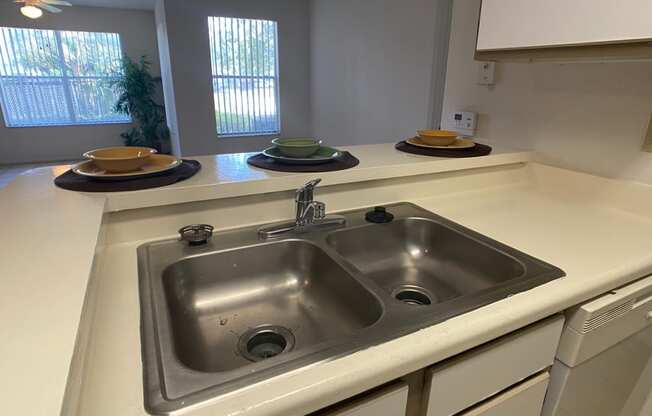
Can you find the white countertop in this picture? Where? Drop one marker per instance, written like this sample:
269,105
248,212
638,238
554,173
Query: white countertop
590,227
46,253
599,240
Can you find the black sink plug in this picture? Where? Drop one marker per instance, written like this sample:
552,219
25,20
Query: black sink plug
379,216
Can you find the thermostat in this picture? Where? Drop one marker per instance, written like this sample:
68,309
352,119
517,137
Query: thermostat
464,122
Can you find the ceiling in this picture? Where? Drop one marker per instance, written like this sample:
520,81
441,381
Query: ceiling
116,4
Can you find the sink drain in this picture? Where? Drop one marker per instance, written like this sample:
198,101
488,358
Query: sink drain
413,295
265,341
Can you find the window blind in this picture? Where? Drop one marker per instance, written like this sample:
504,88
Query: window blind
244,60
50,78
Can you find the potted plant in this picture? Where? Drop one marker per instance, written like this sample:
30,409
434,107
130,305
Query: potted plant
136,89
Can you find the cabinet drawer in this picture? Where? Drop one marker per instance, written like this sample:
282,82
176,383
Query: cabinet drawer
387,401
525,399
471,377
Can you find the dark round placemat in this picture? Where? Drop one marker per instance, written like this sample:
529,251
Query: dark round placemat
475,151
345,161
74,182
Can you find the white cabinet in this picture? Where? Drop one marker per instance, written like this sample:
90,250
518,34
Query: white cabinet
504,377
524,399
472,377
388,401
525,24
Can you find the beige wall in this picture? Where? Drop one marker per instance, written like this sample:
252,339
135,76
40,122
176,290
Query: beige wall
32,144
591,116
189,83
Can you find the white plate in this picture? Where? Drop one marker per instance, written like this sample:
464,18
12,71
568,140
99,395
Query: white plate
457,144
155,164
325,154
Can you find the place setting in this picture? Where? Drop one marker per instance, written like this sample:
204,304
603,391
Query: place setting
302,155
126,168
442,143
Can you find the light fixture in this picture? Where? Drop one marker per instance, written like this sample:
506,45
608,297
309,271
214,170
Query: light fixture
31,12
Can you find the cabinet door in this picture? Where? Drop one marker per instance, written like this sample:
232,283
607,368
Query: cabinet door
388,401
525,399
520,24
474,376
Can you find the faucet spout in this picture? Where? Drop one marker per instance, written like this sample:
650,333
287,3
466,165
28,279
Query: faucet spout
310,214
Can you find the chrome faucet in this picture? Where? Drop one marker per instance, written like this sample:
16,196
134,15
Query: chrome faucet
310,215
309,210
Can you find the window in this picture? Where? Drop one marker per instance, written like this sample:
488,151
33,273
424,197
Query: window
245,76
51,78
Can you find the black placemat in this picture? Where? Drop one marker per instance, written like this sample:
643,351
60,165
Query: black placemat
346,161
73,182
475,151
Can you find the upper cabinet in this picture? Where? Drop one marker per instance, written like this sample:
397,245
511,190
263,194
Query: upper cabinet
565,29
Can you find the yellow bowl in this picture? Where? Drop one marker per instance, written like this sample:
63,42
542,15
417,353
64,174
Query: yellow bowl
120,159
437,137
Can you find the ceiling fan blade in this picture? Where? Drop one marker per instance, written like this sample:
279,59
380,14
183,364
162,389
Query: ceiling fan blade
50,9
56,2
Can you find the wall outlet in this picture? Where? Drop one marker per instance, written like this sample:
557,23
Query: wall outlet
487,73
647,144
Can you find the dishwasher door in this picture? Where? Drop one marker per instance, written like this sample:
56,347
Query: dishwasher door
604,362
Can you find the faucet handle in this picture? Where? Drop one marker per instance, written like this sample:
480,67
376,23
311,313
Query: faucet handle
309,186
320,210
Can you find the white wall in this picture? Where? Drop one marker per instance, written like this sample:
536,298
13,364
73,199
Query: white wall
33,144
190,78
589,117
372,66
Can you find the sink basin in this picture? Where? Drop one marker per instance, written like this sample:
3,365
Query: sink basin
238,310
424,262
228,311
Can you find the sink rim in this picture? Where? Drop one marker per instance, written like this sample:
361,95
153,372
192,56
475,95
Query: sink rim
155,352
201,387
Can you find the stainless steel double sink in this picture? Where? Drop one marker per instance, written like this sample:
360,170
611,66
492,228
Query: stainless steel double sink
238,310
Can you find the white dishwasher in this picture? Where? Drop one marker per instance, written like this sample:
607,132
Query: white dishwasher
604,362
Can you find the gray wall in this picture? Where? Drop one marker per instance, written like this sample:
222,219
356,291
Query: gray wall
32,144
372,68
189,83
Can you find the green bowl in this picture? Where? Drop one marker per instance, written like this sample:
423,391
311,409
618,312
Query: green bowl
297,147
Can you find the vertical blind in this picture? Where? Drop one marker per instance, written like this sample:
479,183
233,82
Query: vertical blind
50,78
244,60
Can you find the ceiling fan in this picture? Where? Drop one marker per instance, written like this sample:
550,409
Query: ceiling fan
34,8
